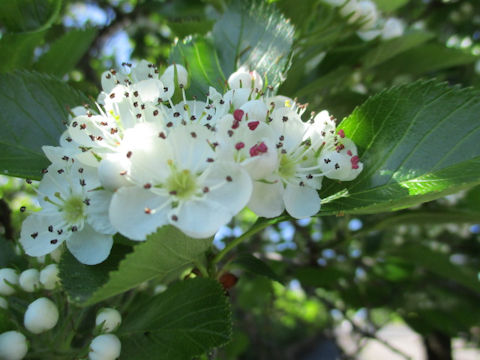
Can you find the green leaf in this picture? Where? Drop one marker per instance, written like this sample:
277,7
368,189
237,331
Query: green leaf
80,281
327,277
439,264
188,319
417,142
34,107
425,59
256,266
255,35
390,5
183,28
16,50
199,56
66,52
391,48
27,15
162,256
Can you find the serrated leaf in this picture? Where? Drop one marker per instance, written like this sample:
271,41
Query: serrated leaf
66,51
80,281
199,56
186,320
425,59
34,107
16,50
164,254
255,35
391,48
418,142
27,15
256,266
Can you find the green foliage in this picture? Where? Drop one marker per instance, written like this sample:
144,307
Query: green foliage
25,15
16,50
162,257
188,319
256,266
34,108
65,52
417,142
256,36
200,58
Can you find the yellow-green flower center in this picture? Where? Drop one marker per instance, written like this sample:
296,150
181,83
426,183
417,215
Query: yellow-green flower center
181,183
287,167
73,209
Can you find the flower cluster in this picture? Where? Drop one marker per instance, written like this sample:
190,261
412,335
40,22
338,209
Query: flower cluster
148,157
373,23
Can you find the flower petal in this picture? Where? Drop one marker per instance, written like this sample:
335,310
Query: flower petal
200,218
266,199
35,236
129,212
301,201
89,246
97,211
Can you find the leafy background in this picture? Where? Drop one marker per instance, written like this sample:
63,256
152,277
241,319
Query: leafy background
387,249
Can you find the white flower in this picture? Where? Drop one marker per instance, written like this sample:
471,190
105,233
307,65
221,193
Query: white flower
8,276
13,346
72,211
105,347
179,182
109,318
393,28
3,303
242,78
178,71
41,315
367,10
49,276
30,280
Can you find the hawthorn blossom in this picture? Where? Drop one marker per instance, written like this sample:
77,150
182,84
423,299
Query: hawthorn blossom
74,210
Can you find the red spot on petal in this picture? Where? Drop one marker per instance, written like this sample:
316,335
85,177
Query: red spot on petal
349,152
238,114
252,125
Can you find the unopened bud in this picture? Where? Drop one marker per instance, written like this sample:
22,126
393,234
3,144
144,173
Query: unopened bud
105,347
7,276
109,318
169,75
49,276
13,346
30,280
41,316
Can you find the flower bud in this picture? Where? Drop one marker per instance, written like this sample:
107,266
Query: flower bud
109,318
49,276
3,303
105,347
7,275
368,14
30,280
393,28
41,316
242,78
169,75
13,346
111,169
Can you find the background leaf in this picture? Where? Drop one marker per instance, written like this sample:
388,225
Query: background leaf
256,266
16,50
65,52
163,255
186,320
418,142
254,35
34,107
26,15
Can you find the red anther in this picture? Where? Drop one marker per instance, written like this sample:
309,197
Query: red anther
238,114
341,133
252,125
340,147
239,145
262,147
349,152
236,124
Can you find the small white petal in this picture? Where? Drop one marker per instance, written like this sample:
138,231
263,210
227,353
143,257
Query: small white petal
35,236
301,201
142,71
137,223
255,110
111,169
88,246
267,199
149,90
97,211
200,218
